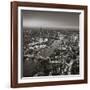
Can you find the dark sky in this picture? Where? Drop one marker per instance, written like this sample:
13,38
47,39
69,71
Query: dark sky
50,19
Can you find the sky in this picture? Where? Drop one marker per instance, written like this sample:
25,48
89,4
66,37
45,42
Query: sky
50,19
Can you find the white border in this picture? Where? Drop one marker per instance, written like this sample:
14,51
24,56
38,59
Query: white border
52,78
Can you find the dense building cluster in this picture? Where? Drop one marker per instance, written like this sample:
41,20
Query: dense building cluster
48,52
